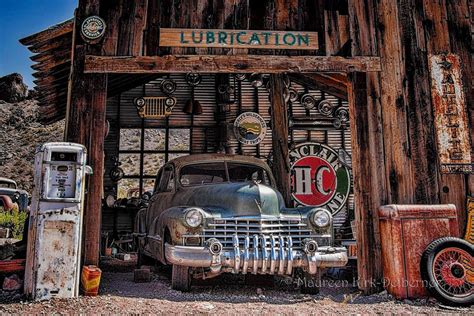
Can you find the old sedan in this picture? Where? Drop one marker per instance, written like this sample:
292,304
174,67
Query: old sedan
212,213
9,188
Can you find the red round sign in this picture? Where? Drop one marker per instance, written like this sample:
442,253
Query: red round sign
314,181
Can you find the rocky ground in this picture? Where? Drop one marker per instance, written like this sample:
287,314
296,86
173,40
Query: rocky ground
20,134
224,295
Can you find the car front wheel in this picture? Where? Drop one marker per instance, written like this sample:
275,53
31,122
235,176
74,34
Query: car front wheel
181,278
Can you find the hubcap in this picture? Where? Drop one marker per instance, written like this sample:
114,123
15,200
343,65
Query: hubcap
453,269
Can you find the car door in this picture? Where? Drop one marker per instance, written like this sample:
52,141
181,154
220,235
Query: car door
161,201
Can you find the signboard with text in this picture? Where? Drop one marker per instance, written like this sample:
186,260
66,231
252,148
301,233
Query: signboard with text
318,177
450,117
238,39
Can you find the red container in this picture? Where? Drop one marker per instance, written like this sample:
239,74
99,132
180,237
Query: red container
406,231
90,280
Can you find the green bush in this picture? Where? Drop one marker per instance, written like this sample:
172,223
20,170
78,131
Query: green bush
14,220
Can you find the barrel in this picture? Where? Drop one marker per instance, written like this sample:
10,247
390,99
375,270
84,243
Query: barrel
90,280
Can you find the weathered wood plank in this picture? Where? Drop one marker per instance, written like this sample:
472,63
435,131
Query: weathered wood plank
87,96
62,42
460,15
131,27
281,157
111,11
367,130
397,147
231,64
418,104
52,32
452,187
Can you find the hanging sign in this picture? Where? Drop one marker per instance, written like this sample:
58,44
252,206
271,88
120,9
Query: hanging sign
318,177
250,128
452,131
238,39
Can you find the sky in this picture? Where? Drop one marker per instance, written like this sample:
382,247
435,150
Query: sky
20,18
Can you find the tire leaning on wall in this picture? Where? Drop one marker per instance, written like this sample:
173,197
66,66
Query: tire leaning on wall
447,268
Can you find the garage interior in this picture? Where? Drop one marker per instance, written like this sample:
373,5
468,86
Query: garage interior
141,146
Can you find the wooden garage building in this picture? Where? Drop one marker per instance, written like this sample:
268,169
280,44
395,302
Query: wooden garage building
379,59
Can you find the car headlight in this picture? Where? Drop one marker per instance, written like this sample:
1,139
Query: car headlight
320,218
193,217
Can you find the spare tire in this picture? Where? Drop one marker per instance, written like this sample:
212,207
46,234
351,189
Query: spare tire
447,269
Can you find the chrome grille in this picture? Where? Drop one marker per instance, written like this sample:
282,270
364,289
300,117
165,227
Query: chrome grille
225,229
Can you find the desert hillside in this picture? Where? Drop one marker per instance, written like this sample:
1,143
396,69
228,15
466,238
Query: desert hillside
21,133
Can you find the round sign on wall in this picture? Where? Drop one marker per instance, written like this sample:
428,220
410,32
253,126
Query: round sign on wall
250,128
318,178
93,28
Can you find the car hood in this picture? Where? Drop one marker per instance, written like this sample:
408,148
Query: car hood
235,199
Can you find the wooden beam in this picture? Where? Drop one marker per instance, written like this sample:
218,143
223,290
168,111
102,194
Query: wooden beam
368,137
49,33
229,64
321,82
281,158
367,163
86,122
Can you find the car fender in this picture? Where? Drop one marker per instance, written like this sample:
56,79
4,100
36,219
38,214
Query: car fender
7,203
140,222
170,219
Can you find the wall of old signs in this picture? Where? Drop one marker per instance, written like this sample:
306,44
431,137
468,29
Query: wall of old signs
142,146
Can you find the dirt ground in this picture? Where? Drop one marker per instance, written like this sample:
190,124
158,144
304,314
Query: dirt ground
224,295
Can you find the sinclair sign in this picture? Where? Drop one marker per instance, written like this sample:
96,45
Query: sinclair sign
318,178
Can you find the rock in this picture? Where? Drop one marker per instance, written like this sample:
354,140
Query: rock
12,283
141,275
259,291
12,88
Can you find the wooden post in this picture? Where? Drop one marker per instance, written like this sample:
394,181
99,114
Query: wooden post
368,153
281,158
86,124
369,181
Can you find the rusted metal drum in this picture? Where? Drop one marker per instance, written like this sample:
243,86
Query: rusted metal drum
406,231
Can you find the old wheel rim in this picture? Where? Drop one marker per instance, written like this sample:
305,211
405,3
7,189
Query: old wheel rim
453,272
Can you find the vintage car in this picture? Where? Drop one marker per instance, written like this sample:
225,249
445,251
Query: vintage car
214,213
10,189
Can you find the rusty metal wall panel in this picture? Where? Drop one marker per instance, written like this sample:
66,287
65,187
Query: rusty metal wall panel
206,95
111,141
452,131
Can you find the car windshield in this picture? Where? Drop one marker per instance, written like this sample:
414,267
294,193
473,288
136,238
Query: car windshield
215,172
203,173
239,172
7,185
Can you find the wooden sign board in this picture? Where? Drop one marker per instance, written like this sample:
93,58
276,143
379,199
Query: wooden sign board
238,39
450,117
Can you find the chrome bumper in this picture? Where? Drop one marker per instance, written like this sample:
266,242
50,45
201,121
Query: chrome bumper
276,259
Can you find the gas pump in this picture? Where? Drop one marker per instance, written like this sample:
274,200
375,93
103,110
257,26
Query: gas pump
55,226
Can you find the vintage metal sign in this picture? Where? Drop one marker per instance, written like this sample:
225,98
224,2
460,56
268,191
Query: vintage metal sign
93,28
238,39
452,131
250,128
318,177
